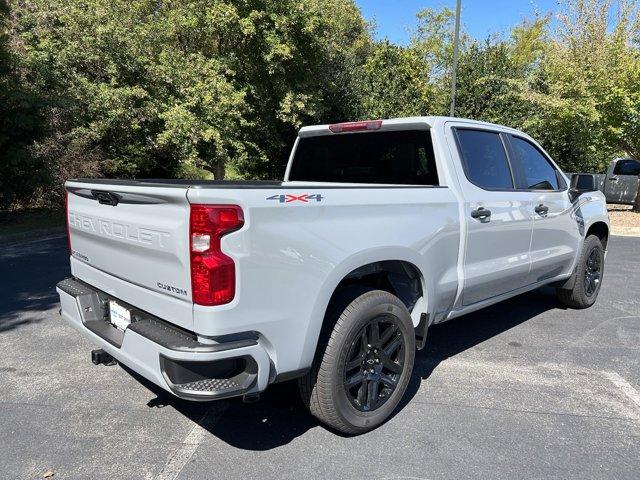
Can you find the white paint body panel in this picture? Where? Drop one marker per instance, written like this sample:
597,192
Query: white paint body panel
290,257
134,247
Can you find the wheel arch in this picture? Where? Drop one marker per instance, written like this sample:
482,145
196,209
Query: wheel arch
601,230
396,271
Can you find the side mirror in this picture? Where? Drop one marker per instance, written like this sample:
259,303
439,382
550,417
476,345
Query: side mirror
582,183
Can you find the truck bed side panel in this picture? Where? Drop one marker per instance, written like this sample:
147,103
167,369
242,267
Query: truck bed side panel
291,254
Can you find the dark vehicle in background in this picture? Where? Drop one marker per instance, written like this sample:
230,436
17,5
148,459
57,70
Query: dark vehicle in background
621,181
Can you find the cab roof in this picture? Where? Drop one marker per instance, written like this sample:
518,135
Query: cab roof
392,124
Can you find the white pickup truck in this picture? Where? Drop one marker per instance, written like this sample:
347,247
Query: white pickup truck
379,230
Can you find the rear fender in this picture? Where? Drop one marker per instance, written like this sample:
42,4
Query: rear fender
341,271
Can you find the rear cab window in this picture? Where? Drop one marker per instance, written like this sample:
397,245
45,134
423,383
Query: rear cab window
399,157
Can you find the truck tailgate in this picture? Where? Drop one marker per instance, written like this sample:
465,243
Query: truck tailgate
137,235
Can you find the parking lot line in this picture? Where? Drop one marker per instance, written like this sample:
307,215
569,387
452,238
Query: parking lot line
187,448
624,386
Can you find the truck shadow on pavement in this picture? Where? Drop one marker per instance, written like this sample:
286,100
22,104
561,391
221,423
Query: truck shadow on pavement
455,336
275,420
28,277
279,417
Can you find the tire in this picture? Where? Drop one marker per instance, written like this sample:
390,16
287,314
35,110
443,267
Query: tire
588,276
356,383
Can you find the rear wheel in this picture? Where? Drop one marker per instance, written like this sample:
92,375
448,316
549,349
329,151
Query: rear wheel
588,278
362,369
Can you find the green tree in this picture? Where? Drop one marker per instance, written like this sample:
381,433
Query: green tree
396,83
303,65
203,88
491,84
21,122
188,86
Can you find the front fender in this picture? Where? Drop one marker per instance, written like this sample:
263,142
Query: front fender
590,209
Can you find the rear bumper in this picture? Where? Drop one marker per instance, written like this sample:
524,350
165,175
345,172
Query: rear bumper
169,357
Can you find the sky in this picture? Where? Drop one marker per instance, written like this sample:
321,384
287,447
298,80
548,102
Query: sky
479,18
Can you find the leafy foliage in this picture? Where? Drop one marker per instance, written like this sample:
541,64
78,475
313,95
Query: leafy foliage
195,88
164,88
395,83
21,123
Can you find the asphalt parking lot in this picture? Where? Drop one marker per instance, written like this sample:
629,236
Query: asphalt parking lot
523,389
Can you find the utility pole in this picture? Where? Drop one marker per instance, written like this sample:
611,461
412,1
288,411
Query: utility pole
456,41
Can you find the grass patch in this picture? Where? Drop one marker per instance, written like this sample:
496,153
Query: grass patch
21,221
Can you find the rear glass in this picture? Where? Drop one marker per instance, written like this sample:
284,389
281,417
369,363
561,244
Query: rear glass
398,157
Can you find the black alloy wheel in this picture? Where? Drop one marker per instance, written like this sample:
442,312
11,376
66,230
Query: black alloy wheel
581,290
363,363
593,272
374,364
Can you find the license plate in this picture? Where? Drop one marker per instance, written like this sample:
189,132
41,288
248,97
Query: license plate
120,316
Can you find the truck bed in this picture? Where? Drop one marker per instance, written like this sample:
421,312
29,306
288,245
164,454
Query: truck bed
138,250
180,183
232,184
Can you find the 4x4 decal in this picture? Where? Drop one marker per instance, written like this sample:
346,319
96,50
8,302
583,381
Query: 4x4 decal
289,198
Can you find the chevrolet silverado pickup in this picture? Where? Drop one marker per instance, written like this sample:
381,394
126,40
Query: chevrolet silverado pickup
333,277
621,182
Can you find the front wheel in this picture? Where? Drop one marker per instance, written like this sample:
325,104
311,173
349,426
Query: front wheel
361,371
588,274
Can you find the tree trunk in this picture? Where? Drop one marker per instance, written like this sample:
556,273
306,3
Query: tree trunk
219,171
636,203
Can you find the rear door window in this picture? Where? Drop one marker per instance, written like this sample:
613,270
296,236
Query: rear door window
484,158
397,157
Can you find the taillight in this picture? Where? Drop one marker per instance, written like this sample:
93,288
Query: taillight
66,215
213,274
355,126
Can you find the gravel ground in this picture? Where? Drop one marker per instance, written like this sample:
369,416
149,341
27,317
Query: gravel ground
622,216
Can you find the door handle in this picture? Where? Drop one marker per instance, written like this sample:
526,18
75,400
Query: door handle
481,213
613,179
541,209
